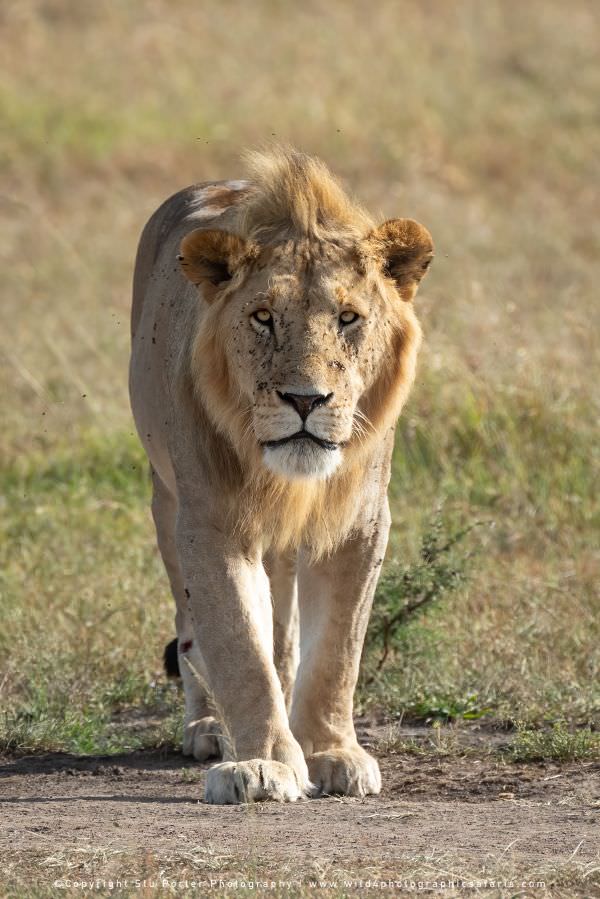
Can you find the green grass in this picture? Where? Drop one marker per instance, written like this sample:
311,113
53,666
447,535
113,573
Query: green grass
557,744
84,602
525,465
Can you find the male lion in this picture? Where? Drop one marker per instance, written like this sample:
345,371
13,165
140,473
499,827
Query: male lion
274,344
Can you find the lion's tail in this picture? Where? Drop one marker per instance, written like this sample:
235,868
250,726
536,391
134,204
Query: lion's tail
170,659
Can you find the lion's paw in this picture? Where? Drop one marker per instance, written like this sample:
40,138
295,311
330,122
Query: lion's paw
232,783
349,772
202,739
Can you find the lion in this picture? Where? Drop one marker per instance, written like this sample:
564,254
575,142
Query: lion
274,343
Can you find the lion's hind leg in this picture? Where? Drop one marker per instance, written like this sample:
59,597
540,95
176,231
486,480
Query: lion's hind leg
281,570
202,737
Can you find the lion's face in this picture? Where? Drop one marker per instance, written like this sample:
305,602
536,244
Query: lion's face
314,341
305,343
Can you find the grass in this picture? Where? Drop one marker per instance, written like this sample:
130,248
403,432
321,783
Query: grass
481,121
558,743
437,743
404,592
203,869
68,558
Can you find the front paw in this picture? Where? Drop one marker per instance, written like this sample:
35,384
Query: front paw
202,739
232,783
348,772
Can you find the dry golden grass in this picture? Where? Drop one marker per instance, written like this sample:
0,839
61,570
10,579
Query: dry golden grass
204,870
479,119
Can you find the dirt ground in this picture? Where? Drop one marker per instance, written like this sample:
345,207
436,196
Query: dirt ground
61,813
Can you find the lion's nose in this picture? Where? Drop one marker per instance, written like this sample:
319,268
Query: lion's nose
304,403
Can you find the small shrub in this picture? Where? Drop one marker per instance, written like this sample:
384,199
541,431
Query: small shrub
450,708
405,591
558,743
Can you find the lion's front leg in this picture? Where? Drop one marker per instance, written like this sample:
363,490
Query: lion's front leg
229,606
335,597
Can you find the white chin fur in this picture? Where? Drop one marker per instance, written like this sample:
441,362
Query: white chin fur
302,459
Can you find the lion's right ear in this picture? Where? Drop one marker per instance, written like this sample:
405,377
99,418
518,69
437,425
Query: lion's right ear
209,258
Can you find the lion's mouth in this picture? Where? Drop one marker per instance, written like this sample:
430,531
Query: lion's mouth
301,435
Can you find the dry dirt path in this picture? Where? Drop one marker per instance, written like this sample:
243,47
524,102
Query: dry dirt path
60,813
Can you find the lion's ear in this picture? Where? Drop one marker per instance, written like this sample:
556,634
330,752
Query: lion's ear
209,257
404,249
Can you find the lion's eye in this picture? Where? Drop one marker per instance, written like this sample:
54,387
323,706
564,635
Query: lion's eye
262,316
348,317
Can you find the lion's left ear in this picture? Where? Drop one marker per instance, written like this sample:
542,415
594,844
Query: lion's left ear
404,249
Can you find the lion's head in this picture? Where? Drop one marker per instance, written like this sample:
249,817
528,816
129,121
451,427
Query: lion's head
307,350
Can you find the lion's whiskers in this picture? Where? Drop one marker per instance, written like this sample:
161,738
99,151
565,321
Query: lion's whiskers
248,427
360,417
362,427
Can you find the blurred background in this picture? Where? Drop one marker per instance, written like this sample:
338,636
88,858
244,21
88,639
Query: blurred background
480,120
